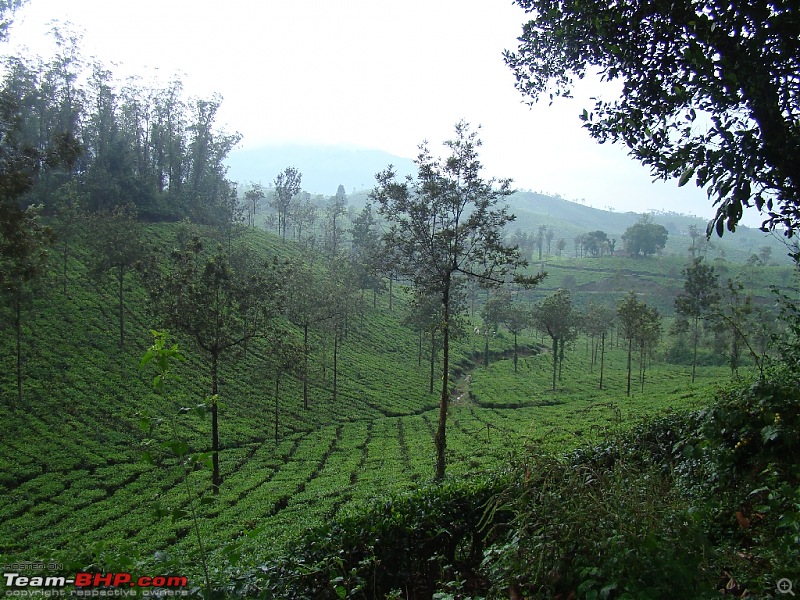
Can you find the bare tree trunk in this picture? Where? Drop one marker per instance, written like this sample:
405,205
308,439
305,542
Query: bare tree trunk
335,360
642,366
18,328
694,351
215,478
441,432
433,356
630,349
277,385
305,366
602,356
515,352
66,252
121,307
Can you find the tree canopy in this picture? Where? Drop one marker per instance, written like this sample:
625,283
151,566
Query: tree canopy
709,91
446,225
645,237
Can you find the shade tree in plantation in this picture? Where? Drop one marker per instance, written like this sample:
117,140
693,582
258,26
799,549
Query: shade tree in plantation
337,300
629,313
492,313
254,198
424,316
732,317
67,224
117,247
596,243
695,235
648,335
445,225
285,357
500,309
220,307
640,325
517,319
597,320
538,240
645,237
305,306
708,91
286,186
698,299
303,213
554,317
366,252
549,239
335,214
24,252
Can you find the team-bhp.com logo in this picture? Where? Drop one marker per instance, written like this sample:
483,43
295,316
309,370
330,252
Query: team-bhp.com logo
94,585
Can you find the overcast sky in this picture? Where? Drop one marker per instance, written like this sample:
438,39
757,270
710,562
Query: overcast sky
369,73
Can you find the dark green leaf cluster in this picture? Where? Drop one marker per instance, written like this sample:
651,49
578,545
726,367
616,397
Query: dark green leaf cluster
645,237
408,542
447,222
709,90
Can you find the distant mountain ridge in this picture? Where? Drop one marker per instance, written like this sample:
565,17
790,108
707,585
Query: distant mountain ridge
324,168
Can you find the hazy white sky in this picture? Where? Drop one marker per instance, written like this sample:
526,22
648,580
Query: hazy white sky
368,73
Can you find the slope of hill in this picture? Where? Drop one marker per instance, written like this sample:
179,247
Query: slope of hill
73,485
570,219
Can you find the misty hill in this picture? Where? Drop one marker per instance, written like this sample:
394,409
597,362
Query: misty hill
324,168
570,219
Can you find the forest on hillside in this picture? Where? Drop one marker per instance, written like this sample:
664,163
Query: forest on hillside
412,392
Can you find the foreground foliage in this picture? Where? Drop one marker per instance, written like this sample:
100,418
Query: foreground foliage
709,90
686,506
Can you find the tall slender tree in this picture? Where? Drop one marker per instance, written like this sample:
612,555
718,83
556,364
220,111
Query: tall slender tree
554,317
287,186
24,251
638,324
305,307
68,217
446,225
118,246
219,307
697,301
597,321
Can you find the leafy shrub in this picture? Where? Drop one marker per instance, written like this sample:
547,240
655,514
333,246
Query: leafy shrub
680,504
616,532
753,437
410,542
